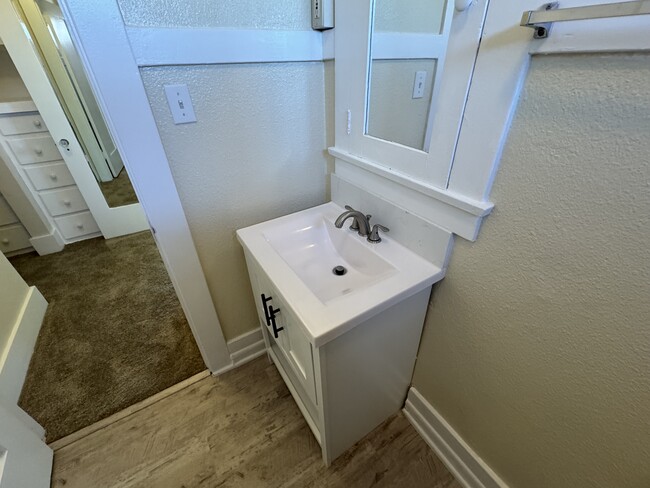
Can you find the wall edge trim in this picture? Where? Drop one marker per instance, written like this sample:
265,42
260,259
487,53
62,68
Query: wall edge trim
476,208
15,358
467,466
244,348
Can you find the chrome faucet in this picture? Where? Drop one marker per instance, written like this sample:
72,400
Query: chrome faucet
361,222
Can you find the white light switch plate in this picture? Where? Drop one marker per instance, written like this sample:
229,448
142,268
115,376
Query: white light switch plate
419,84
180,103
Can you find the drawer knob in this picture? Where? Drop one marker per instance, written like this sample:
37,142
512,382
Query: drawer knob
80,226
5,241
38,151
67,203
37,123
53,176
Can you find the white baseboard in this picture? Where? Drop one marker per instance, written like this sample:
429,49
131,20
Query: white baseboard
246,347
48,243
466,466
15,358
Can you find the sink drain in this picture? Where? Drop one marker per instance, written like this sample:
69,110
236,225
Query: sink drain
339,270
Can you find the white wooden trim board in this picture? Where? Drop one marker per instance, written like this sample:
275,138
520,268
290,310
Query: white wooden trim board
14,359
246,347
466,466
104,47
167,46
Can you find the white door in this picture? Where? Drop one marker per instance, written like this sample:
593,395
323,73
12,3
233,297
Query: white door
25,460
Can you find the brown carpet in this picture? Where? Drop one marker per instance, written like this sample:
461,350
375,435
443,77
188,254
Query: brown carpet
119,191
114,332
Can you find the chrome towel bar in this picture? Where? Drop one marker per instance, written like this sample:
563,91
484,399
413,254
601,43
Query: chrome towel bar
541,19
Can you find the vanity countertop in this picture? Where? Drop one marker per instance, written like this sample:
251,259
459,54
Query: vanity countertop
293,249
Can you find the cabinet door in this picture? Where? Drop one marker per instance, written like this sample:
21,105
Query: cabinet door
289,337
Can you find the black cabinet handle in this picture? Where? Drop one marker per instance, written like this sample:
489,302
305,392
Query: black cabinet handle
266,299
276,329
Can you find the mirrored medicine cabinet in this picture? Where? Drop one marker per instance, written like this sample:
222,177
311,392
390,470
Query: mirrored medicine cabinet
401,84
405,54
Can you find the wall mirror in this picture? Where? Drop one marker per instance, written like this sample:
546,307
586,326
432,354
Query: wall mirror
406,54
65,70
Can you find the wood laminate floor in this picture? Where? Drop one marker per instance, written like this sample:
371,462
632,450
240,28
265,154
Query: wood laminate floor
241,429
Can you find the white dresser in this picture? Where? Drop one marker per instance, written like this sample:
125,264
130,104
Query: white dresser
33,156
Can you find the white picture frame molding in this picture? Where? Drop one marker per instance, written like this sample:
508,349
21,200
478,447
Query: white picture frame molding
101,38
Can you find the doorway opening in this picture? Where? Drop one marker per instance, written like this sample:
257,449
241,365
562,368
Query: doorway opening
114,332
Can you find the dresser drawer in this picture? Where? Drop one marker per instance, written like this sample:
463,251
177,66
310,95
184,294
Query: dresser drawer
21,124
7,216
13,238
34,149
47,176
77,225
64,201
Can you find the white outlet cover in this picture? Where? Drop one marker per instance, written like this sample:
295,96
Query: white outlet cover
180,104
419,84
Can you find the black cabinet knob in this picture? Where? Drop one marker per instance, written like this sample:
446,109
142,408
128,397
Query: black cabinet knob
276,329
267,316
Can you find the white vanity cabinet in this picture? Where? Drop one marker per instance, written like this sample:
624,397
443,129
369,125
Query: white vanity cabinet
348,385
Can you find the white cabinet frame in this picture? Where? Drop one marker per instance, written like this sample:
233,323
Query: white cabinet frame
455,48
412,179
99,33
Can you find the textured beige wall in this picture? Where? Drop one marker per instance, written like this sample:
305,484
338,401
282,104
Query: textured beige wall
394,115
258,151
12,87
233,14
13,291
421,16
537,344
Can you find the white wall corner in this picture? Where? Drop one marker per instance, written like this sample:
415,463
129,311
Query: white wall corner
466,466
48,243
328,45
15,358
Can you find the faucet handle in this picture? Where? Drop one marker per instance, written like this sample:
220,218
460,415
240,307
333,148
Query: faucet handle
374,233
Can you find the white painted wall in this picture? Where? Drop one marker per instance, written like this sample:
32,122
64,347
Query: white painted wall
422,16
536,344
257,151
12,87
232,14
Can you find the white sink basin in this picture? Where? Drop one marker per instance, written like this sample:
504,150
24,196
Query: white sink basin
299,251
312,247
